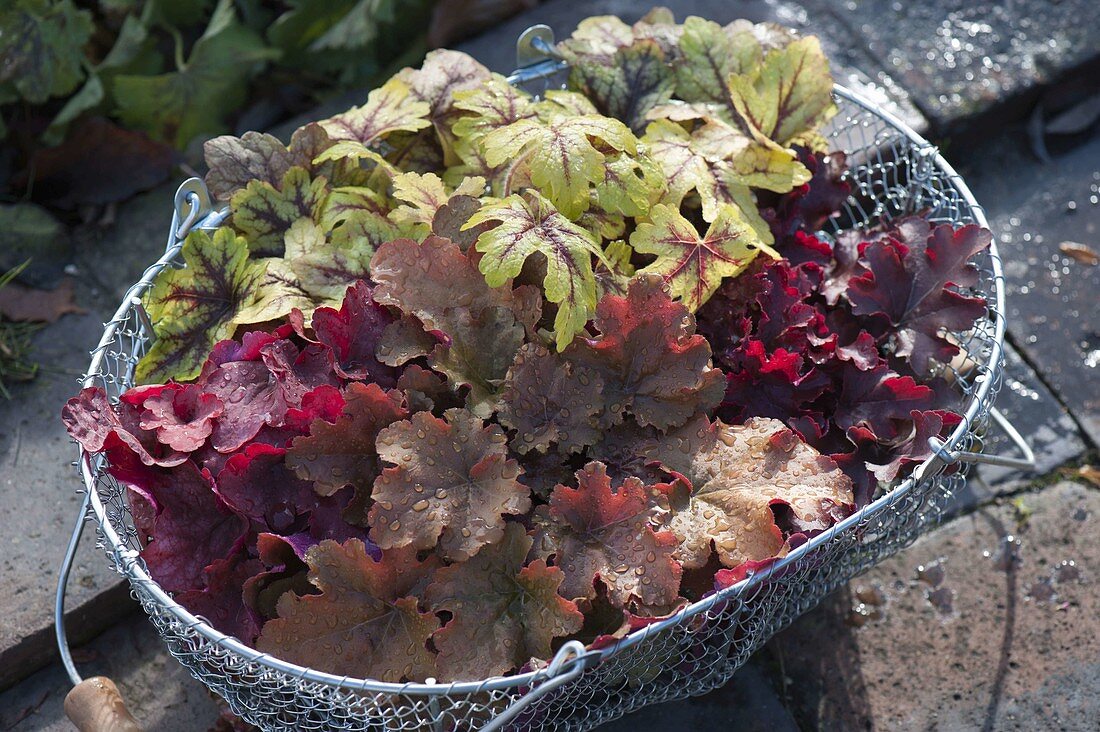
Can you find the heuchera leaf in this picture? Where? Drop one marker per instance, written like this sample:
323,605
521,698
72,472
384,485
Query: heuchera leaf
878,398
234,162
709,55
906,282
606,534
652,363
561,154
93,422
365,622
193,527
752,467
353,334
182,416
424,195
258,484
780,384
503,613
451,484
194,307
693,265
221,601
343,453
548,400
481,348
530,224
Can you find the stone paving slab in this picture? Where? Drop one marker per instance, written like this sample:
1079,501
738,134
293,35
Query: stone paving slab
1036,210
961,58
975,631
38,483
159,692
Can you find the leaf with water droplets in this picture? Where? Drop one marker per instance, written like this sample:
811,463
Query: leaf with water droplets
606,534
340,454
503,614
751,468
548,400
365,622
450,485
653,364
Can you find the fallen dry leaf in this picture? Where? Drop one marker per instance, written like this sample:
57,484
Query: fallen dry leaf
1080,253
19,302
1091,473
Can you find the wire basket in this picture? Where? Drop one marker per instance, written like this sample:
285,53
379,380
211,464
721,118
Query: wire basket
894,172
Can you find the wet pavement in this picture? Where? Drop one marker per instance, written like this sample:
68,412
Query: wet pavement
1047,218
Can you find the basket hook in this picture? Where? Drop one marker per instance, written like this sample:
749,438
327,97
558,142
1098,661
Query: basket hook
1027,462
566,665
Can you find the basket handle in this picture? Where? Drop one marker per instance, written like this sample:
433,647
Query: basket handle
566,665
94,705
1027,462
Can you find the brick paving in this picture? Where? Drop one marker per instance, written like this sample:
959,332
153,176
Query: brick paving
999,660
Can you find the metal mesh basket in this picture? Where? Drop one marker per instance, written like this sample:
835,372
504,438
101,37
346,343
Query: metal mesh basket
894,172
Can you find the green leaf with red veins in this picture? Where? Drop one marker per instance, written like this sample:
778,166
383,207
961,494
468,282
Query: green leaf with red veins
341,454
561,154
278,292
605,534
599,36
752,467
234,162
451,485
364,622
636,79
710,55
482,346
562,104
756,163
195,307
653,364
548,400
530,224
390,108
493,104
503,614
264,213
347,201
324,269
424,195
789,94
613,275
630,185
693,265
444,74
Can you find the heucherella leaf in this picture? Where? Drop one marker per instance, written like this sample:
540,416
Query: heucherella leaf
694,265
548,400
491,105
710,55
614,272
523,604
635,79
450,485
365,622
41,48
759,164
324,269
390,108
599,36
530,224
196,306
630,185
424,195
561,154
278,292
606,534
264,213
335,455
443,74
751,468
653,364
789,94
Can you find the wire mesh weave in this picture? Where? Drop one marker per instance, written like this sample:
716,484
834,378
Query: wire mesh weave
894,172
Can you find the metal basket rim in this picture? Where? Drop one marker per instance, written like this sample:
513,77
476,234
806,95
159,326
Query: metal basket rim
129,564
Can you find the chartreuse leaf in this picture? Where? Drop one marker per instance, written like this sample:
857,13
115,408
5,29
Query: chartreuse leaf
423,196
389,109
194,307
365,622
264,213
530,224
194,99
503,614
561,154
636,79
41,47
491,105
709,56
789,94
693,265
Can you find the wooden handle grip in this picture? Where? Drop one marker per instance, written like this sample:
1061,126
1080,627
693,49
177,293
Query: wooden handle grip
94,705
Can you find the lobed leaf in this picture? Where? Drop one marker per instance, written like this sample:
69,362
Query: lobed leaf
264,213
